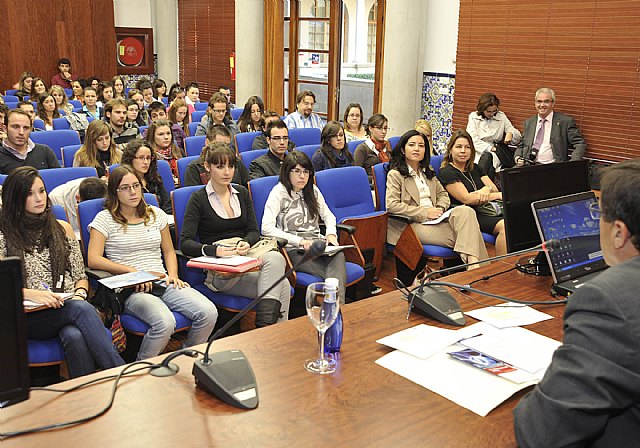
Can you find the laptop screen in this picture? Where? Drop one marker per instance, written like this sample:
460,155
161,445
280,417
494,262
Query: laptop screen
567,219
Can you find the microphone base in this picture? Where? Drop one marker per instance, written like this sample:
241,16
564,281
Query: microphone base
228,376
437,303
536,265
168,370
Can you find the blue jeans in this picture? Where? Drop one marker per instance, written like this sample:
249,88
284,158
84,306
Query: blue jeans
156,312
84,339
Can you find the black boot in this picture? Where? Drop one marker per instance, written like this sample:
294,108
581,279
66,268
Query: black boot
267,312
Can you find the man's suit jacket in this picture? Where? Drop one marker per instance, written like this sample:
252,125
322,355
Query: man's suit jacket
590,394
403,198
564,135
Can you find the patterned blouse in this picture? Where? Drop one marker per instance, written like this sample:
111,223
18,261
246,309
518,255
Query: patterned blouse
38,266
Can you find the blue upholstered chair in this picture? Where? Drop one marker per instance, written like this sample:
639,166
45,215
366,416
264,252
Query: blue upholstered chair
193,126
56,140
305,136
182,164
68,153
196,277
352,145
10,98
193,145
2,178
196,116
244,140
236,112
201,106
55,177
60,124
393,141
309,150
249,156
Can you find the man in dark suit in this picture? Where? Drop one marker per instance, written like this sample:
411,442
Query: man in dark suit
590,394
548,135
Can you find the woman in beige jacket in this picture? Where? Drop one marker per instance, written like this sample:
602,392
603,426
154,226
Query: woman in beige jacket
414,191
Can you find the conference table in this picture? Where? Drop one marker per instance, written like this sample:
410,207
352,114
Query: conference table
361,404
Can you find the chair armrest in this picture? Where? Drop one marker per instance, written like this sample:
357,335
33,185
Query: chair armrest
97,274
347,228
399,217
181,254
282,243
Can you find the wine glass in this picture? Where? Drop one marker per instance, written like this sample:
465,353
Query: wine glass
322,308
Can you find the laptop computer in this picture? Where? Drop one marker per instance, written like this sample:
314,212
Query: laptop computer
579,257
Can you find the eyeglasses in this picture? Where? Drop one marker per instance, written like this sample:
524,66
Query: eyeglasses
544,101
128,188
144,158
382,128
298,172
219,111
595,211
280,139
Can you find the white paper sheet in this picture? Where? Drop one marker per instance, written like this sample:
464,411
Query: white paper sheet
467,386
509,315
516,346
442,217
31,305
235,260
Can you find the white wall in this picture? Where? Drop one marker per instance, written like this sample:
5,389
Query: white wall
132,13
441,36
249,24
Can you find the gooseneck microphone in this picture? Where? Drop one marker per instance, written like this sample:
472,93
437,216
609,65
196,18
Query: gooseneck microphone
228,375
436,302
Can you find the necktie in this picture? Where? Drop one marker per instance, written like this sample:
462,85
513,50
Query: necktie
539,135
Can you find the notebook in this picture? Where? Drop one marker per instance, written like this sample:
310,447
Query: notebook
579,257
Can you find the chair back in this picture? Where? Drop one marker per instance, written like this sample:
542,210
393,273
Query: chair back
393,141
259,190
2,178
380,185
59,212
249,156
164,170
352,145
244,140
75,104
183,163
305,136
236,112
68,92
38,123
11,91
54,177
10,98
11,104
193,126
201,106
87,211
309,150
165,100
179,200
56,139
197,115
60,123
435,163
193,145
346,191
68,153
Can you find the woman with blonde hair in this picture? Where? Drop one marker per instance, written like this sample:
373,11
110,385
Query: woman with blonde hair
179,114
99,149
57,92
424,127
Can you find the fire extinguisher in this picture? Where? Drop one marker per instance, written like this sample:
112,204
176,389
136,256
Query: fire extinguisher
232,65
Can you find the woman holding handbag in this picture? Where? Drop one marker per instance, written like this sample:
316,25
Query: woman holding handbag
467,184
219,221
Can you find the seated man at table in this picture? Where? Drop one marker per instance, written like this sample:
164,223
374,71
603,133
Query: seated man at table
590,394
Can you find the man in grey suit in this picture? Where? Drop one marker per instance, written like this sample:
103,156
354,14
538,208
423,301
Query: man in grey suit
590,394
548,135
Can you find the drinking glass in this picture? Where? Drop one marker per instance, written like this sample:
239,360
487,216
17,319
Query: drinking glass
322,308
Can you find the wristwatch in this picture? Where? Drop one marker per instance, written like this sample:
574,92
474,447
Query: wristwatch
81,292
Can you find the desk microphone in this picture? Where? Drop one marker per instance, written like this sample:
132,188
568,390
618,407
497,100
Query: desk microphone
437,303
228,375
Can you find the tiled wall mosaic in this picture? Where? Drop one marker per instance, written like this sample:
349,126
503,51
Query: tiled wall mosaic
437,105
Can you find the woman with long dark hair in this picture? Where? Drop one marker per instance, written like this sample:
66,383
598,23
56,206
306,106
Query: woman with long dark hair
25,85
99,149
132,236
160,139
52,268
139,155
333,151
251,119
293,212
375,149
219,221
47,110
353,127
413,190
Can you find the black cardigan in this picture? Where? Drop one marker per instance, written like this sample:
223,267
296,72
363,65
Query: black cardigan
201,222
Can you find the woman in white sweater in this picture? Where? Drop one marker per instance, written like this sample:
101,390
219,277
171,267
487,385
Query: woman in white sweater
293,211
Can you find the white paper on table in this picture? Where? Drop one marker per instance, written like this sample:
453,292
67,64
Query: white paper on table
509,315
465,385
516,346
424,340
438,220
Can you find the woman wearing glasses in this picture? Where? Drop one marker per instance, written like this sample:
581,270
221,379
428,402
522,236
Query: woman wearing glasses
142,159
293,212
132,236
375,149
353,127
333,151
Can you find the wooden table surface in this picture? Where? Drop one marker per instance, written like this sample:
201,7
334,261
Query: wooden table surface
362,404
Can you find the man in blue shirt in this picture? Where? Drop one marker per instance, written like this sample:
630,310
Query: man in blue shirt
304,117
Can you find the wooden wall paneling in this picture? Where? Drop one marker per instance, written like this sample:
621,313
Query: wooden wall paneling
37,34
587,51
273,73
